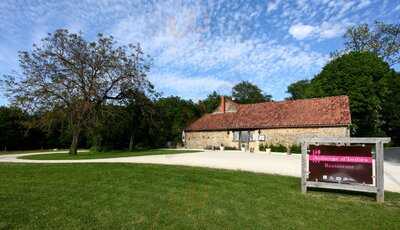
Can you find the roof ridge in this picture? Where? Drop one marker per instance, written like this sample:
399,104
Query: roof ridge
285,101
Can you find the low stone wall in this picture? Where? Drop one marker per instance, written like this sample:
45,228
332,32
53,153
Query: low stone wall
284,136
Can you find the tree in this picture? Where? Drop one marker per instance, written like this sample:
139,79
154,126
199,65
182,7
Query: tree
12,127
390,97
358,75
298,90
175,114
142,118
382,40
247,93
69,73
209,104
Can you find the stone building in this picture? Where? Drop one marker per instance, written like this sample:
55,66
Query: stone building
247,125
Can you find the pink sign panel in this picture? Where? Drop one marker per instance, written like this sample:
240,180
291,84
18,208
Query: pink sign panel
340,164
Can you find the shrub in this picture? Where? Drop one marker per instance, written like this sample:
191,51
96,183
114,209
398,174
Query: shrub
278,148
262,147
231,148
295,149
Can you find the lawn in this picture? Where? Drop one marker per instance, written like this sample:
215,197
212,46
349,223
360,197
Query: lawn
109,154
127,196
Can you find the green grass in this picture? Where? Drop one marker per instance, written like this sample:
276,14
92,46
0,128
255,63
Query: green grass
130,196
108,154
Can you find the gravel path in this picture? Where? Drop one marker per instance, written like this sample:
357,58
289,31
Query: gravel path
274,163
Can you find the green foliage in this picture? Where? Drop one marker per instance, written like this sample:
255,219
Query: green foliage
231,148
175,114
295,149
356,75
359,75
278,148
299,90
12,128
262,147
390,97
246,93
209,104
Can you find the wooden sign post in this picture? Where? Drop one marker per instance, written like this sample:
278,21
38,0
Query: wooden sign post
343,164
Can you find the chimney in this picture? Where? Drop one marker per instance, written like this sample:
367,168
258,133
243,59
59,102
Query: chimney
222,104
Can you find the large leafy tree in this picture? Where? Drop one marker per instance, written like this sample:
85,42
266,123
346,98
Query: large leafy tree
68,73
381,39
358,75
246,93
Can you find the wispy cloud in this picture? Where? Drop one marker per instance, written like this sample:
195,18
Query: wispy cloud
300,31
323,31
196,87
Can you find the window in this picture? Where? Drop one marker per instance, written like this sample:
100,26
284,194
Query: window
236,135
252,136
243,136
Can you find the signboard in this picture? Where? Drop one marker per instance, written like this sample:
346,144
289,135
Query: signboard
340,164
343,163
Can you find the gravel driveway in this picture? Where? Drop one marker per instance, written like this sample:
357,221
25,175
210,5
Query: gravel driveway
274,163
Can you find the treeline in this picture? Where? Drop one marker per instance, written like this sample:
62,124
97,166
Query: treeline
150,123
141,123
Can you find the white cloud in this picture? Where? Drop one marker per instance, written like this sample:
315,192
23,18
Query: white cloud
272,5
325,30
328,30
363,4
300,31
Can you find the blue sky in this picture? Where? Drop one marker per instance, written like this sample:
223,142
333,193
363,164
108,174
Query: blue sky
201,46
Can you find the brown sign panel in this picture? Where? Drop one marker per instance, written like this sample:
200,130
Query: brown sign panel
340,164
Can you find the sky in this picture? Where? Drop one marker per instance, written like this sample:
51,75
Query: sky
201,46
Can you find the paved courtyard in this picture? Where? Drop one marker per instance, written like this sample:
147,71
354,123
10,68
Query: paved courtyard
274,163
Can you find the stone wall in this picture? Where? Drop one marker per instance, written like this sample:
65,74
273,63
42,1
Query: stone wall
200,140
284,136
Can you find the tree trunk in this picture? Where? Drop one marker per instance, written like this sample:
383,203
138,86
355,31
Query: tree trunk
74,145
131,143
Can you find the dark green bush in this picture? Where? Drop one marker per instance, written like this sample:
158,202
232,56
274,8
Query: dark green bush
295,149
231,148
278,148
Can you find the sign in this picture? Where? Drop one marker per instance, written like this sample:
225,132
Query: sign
261,137
343,163
340,164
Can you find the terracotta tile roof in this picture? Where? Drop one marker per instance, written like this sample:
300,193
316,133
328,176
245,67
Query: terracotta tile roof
316,112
